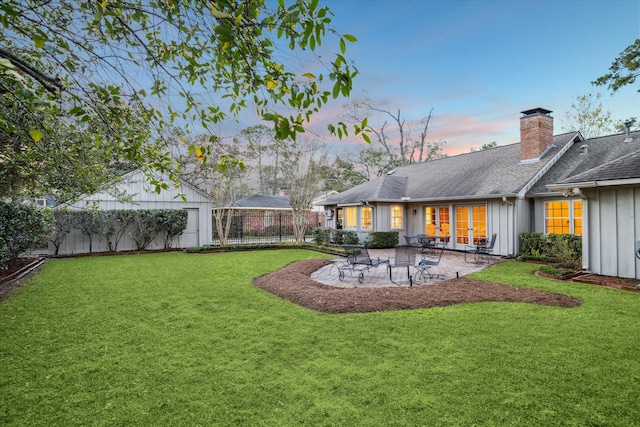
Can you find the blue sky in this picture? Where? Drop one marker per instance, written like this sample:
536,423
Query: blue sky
479,63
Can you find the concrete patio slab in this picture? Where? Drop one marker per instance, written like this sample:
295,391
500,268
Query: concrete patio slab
452,265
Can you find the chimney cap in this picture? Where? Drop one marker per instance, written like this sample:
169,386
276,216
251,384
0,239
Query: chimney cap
535,111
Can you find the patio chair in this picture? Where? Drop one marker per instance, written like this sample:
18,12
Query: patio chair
360,261
480,250
404,256
411,241
427,263
427,244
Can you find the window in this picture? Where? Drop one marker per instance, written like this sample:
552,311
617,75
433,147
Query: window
563,217
366,218
396,217
350,217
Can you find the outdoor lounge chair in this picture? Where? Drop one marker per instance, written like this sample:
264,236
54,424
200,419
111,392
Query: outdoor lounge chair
427,263
480,250
360,261
404,256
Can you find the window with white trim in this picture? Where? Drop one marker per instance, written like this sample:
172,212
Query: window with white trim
397,217
350,217
367,217
563,217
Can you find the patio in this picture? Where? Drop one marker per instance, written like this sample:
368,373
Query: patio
452,265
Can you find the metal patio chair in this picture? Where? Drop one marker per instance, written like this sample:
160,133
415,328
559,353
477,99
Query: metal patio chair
427,263
404,256
480,250
359,261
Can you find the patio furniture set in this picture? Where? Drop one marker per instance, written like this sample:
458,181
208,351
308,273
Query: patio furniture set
430,248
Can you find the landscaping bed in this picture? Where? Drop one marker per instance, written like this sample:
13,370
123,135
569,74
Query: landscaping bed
612,282
293,283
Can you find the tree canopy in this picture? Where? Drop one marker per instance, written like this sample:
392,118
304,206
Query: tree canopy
624,70
114,75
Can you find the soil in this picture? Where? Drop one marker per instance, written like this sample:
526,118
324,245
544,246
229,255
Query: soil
10,279
293,283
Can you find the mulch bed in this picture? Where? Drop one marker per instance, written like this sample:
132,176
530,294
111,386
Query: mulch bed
293,283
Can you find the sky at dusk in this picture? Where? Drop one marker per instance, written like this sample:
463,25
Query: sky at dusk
478,64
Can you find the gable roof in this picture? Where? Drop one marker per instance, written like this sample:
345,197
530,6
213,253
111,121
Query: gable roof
258,201
477,175
597,159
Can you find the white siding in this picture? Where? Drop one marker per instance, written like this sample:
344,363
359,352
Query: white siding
141,196
613,231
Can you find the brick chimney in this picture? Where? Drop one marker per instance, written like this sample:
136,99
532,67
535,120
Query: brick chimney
536,134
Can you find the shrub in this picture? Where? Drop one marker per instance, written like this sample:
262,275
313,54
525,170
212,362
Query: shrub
533,244
382,239
556,271
342,237
144,228
91,223
321,235
566,249
22,227
65,221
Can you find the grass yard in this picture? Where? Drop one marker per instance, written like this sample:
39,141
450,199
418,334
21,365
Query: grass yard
184,340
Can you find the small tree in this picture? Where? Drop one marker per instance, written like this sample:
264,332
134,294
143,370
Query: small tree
144,227
115,225
91,223
173,222
65,221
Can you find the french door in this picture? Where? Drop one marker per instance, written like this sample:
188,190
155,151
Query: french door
471,224
437,222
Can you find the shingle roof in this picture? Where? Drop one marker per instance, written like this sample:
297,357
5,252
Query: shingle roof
480,174
604,158
258,201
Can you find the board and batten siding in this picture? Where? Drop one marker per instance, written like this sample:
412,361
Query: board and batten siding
142,196
613,231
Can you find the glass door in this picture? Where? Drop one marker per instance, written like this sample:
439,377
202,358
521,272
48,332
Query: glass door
437,222
471,224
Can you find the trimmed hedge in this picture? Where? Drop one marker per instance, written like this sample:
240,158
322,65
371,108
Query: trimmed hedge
143,225
22,227
382,239
565,249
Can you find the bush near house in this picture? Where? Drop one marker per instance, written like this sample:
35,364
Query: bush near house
342,237
321,235
382,239
563,249
22,227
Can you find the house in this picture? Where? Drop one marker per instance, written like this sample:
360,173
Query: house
134,192
260,213
544,183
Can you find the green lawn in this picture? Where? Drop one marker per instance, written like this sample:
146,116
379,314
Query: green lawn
183,340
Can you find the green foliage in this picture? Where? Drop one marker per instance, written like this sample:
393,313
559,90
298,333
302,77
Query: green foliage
64,221
91,223
173,222
555,270
321,235
344,237
183,340
144,227
565,249
588,116
22,227
624,70
382,239
533,244
102,69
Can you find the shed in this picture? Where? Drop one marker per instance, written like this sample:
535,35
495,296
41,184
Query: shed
139,194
